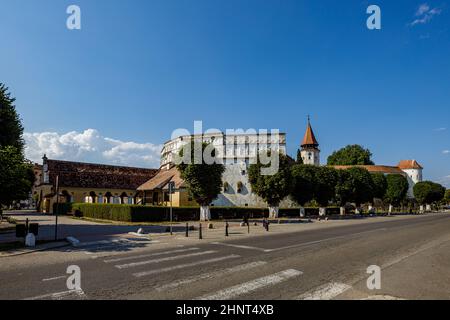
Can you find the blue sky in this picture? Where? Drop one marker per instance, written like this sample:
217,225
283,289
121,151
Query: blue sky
137,70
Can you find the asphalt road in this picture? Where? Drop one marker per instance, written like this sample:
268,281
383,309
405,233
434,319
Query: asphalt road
326,263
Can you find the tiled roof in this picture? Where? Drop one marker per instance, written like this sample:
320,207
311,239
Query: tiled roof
97,176
309,138
161,180
375,169
409,164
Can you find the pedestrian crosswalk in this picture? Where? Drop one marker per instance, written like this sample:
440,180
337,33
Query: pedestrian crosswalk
211,275
159,260
251,286
207,274
325,292
157,263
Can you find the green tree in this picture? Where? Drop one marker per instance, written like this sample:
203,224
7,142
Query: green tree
355,185
11,129
397,189
326,179
380,185
447,196
350,156
203,178
16,176
272,188
428,192
303,185
422,192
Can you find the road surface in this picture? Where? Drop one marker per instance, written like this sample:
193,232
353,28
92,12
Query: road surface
413,253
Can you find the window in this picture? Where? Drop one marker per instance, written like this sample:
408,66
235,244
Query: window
166,197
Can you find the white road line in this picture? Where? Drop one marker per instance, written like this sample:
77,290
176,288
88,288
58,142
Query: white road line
187,265
325,292
54,278
142,263
150,255
296,245
238,246
323,240
253,285
59,295
215,274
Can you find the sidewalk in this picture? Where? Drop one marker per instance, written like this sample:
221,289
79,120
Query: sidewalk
42,247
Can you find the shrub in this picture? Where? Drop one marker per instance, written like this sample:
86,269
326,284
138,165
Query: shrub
62,208
135,213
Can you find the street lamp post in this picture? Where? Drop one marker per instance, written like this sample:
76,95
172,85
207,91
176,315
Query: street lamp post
57,208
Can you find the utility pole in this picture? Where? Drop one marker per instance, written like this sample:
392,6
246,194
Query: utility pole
171,192
57,208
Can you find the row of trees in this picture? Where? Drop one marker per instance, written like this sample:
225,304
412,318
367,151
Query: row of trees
16,174
306,183
428,192
325,185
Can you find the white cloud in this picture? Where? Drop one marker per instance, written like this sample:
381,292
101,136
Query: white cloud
423,8
424,14
445,181
440,129
90,146
446,152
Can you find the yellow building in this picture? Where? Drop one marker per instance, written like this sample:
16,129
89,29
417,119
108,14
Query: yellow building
156,190
89,183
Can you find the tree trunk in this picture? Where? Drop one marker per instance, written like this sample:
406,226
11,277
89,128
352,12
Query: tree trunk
205,213
302,212
322,212
273,212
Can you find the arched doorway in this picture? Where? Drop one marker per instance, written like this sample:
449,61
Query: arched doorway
123,198
108,197
66,197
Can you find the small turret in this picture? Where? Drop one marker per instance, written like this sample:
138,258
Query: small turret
310,151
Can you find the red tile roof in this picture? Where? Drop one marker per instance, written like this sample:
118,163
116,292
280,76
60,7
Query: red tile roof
309,138
161,180
409,164
97,176
375,169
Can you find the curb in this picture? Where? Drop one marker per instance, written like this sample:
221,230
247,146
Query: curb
55,245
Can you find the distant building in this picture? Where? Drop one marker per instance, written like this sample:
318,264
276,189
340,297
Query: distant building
88,183
410,169
310,151
235,151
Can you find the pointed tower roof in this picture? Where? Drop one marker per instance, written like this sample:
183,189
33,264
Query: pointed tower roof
310,138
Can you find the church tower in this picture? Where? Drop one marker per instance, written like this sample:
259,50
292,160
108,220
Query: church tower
310,147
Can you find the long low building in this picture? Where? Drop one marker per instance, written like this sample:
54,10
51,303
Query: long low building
88,183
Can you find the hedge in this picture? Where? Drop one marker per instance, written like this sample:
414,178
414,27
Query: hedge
136,213
62,208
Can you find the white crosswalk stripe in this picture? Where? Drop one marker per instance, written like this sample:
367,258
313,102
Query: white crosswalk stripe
186,265
70,295
159,260
150,255
251,286
215,274
325,292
